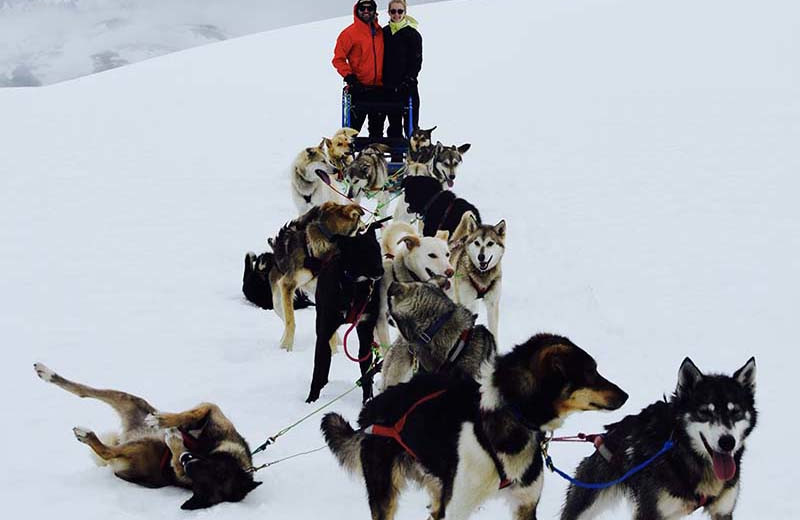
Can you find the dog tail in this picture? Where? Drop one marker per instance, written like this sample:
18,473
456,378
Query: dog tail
343,441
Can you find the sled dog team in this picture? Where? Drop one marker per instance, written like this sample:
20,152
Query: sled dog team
453,415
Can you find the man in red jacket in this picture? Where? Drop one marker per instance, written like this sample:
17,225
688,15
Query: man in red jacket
358,57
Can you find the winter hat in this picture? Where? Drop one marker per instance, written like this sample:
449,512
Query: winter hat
367,2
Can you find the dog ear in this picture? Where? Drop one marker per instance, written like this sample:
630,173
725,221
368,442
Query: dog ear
463,148
354,211
327,142
500,228
252,485
430,131
410,241
195,503
746,376
688,376
442,234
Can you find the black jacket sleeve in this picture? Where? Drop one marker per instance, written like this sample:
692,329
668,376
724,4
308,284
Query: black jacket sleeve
415,56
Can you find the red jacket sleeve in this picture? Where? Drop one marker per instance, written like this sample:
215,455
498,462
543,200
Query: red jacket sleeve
340,52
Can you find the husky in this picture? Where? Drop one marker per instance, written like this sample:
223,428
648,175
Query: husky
708,418
198,449
340,149
437,334
348,289
477,250
300,249
438,208
309,174
255,282
409,257
420,139
447,161
462,439
369,173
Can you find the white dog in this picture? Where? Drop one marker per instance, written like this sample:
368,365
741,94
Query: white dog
409,258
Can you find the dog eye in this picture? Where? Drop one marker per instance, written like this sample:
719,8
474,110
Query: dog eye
704,414
432,255
737,413
477,243
447,255
489,244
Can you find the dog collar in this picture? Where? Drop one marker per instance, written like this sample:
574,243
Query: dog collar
428,334
327,233
458,348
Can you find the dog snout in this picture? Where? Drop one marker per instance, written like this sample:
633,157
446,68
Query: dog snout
449,273
481,257
727,443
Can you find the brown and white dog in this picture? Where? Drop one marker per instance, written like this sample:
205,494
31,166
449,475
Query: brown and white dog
300,249
198,449
340,148
308,188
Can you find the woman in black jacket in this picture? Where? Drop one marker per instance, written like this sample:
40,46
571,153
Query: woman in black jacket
402,61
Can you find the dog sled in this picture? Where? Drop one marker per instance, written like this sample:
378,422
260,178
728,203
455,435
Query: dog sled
398,146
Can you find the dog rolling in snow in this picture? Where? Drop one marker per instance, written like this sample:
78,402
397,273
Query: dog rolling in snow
477,250
198,449
462,438
708,419
409,258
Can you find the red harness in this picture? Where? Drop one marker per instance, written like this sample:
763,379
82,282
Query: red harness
189,442
396,431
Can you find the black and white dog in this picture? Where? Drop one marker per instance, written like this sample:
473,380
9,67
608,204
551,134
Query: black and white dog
708,418
348,288
438,208
463,439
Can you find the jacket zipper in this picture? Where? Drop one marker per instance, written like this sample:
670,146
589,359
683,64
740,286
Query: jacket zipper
374,53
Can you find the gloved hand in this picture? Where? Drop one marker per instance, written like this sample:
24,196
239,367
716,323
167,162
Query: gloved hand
353,85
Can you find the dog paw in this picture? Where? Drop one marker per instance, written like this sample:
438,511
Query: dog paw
287,345
173,438
43,372
82,434
153,420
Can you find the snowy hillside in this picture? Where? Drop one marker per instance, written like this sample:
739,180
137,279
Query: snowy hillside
644,155
46,41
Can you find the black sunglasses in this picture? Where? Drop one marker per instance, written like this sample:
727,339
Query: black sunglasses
365,8
396,11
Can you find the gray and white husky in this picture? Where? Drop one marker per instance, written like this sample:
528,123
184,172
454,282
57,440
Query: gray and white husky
447,161
476,253
368,173
708,419
437,335
308,189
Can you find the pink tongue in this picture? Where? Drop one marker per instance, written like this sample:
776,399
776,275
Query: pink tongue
450,183
724,466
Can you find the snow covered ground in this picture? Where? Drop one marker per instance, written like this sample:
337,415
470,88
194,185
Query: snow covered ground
644,155
46,41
